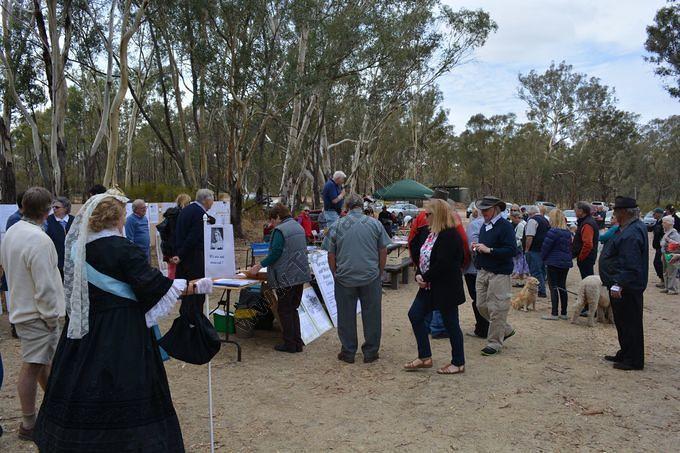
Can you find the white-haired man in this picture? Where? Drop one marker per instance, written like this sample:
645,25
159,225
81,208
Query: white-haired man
333,196
137,227
189,240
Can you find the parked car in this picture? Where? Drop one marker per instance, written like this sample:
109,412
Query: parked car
403,209
469,209
570,215
649,220
600,204
549,206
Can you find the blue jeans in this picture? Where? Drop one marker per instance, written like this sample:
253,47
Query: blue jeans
421,307
329,218
435,322
537,269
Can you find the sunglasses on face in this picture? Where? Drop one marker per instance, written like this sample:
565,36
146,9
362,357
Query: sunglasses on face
57,207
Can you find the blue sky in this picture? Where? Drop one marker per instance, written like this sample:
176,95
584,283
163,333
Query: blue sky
602,38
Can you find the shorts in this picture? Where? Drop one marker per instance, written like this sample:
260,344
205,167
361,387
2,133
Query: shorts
38,343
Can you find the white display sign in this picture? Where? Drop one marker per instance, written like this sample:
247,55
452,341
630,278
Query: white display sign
316,311
221,210
6,210
318,261
218,250
152,212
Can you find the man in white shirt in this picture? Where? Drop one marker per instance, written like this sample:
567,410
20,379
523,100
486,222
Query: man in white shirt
30,260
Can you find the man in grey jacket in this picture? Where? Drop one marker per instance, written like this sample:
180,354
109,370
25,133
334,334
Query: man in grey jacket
357,255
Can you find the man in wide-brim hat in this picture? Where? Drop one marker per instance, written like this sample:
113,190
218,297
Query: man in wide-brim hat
494,253
624,270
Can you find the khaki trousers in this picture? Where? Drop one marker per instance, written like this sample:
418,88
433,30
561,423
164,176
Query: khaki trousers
493,303
670,275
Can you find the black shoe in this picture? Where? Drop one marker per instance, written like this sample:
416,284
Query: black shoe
440,336
510,334
345,357
25,434
612,358
543,296
371,358
489,351
284,348
14,332
626,366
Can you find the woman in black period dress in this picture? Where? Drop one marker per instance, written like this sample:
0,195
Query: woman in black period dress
108,390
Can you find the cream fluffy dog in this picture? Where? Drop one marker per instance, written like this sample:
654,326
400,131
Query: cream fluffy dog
596,296
527,296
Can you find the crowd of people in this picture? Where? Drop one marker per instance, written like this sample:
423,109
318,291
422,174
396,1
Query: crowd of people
93,270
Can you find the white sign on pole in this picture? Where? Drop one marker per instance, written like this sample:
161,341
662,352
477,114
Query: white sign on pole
221,210
218,250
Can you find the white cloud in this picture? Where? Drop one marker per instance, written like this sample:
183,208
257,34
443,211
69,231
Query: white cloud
603,38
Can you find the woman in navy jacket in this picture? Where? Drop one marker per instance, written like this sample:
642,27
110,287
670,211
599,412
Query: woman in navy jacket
556,254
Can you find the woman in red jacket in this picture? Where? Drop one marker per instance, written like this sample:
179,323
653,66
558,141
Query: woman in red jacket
306,222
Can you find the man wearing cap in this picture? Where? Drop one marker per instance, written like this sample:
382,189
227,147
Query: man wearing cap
493,260
657,234
624,271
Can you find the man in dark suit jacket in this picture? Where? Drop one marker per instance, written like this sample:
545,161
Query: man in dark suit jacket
189,241
57,226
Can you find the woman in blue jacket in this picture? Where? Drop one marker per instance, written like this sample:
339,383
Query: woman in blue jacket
556,254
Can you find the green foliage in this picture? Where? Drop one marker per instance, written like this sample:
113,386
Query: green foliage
156,192
663,42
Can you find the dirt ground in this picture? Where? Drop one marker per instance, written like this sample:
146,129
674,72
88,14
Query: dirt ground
549,390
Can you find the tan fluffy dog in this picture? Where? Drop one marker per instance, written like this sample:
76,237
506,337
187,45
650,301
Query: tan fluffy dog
596,296
527,296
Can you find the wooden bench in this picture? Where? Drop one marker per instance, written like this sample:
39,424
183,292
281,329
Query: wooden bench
395,269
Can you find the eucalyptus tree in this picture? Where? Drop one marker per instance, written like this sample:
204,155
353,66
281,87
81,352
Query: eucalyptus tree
663,43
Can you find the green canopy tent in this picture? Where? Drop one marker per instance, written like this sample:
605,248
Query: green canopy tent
406,189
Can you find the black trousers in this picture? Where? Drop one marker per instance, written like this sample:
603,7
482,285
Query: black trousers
658,264
557,280
586,267
481,324
628,321
289,300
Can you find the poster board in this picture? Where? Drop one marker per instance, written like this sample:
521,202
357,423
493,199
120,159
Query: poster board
318,261
221,210
152,213
218,250
314,321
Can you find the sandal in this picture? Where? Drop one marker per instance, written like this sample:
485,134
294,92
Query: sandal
418,364
448,369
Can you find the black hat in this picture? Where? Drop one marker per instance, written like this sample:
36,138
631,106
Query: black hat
490,202
625,203
439,194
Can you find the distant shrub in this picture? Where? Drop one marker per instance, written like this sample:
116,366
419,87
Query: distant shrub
151,192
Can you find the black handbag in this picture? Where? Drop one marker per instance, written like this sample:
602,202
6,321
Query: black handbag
192,337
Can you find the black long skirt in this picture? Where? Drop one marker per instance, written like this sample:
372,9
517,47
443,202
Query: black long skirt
108,391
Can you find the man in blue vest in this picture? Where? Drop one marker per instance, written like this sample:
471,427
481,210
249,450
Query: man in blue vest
534,234
493,259
57,226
